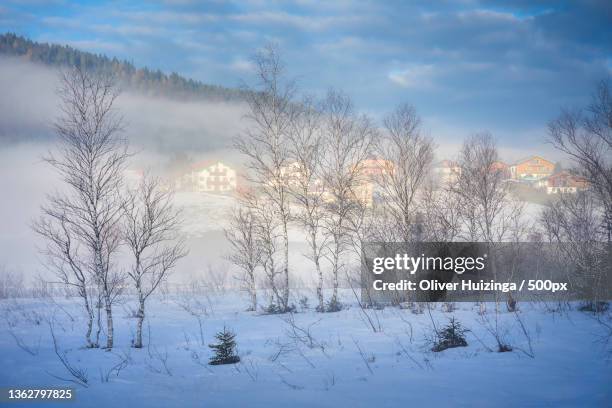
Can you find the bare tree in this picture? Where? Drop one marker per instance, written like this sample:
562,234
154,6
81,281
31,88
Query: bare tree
572,217
349,141
481,190
266,145
441,213
406,156
11,283
586,137
81,224
306,185
573,222
267,234
150,231
246,249
488,213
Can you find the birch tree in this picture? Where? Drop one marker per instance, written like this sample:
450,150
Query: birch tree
246,247
483,192
265,143
151,232
406,155
307,187
573,223
585,136
488,213
267,235
82,222
349,141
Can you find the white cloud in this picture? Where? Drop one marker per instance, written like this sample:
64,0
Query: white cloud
416,76
165,17
357,44
242,65
64,22
308,23
128,29
491,15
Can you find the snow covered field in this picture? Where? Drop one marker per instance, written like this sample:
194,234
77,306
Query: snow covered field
344,363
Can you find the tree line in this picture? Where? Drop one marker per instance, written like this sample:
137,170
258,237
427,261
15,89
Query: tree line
311,162
145,80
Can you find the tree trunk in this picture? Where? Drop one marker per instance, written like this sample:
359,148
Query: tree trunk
98,321
270,269
315,258
321,306
253,290
286,266
109,323
334,299
140,316
335,294
88,341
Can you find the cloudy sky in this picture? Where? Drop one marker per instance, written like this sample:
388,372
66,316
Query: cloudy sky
466,65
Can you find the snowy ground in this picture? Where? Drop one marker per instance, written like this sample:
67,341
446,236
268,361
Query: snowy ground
347,365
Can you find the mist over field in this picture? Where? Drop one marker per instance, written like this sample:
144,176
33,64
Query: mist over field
159,129
26,180
29,105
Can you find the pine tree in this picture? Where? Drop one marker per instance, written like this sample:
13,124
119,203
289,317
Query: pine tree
453,335
225,349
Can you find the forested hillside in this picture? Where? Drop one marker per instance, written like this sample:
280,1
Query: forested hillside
151,82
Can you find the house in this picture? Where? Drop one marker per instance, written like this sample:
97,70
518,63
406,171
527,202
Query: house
294,177
531,169
371,173
367,173
501,168
373,168
208,176
563,182
448,171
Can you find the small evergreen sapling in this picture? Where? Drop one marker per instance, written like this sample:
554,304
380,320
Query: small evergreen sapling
452,335
225,349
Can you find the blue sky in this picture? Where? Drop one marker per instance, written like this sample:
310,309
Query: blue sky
466,65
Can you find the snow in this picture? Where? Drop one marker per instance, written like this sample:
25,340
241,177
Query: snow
569,368
203,212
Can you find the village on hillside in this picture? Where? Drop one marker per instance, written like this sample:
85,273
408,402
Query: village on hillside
533,175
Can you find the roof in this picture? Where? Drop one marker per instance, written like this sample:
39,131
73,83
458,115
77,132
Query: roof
525,159
499,163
